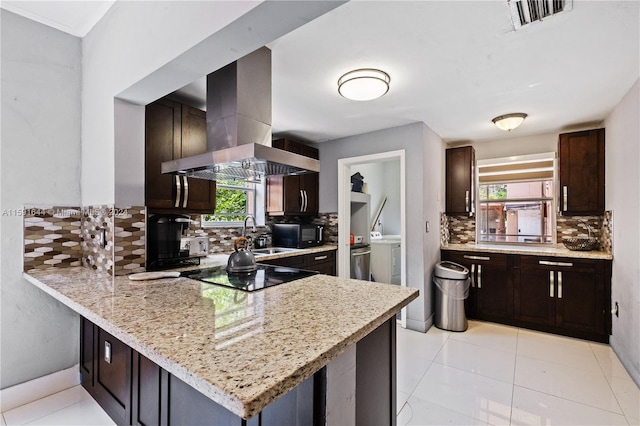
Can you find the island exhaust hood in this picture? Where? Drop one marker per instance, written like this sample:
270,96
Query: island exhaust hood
239,127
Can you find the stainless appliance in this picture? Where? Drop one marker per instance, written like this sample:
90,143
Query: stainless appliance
164,236
297,235
239,127
264,276
361,262
195,246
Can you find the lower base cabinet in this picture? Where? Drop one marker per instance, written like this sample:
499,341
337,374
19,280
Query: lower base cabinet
568,296
133,390
323,262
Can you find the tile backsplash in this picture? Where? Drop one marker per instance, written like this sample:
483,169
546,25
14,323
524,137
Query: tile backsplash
129,240
461,229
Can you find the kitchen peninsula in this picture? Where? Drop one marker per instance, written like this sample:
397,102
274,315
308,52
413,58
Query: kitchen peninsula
243,351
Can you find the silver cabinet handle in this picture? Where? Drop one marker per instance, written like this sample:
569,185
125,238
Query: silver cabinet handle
565,191
549,263
107,352
186,192
559,284
466,201
479,276
320,257
178,191
473,274
476,257
306,200
301,200
551,283
360,254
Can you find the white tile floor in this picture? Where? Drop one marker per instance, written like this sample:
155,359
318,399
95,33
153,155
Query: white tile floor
500,375
490,374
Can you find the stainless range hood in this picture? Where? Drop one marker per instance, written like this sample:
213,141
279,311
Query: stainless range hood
239,127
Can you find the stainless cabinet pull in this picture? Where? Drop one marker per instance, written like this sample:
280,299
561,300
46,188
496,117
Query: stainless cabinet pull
473,274
549,263
301,200
107,352
186,193
320,257
360,254
565,191
178,191
559,284
476,257
306,200
466,201
479,276
551,283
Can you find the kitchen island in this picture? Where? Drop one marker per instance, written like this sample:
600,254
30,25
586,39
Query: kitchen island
241,350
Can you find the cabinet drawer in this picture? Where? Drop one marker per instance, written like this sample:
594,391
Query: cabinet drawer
561,263
322,257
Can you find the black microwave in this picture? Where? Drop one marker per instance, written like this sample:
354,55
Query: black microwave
295,235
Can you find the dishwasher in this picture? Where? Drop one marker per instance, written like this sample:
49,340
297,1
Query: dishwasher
360,262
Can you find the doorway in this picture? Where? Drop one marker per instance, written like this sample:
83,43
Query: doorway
345,166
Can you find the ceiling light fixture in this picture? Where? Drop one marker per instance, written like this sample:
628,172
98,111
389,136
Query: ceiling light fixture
364,84
508,122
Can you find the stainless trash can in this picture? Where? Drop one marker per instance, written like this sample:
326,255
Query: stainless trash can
451,289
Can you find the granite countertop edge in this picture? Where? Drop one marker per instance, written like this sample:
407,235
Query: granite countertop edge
245,408
555,251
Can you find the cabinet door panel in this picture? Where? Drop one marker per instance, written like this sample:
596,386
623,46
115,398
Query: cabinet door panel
86,352
162,143
459,180
535,299
113,379
581,168
147,392
578,307
494,294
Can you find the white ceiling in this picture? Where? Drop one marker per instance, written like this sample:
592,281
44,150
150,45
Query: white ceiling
454,65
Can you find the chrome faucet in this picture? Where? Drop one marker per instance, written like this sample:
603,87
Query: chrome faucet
587,225
244,226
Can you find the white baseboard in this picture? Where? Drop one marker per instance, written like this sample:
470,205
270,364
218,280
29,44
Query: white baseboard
26,392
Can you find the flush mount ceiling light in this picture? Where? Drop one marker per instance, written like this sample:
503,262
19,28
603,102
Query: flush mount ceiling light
508,122
364,84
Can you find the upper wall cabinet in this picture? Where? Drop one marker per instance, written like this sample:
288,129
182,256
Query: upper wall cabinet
172,131
581,172
294,195
460,182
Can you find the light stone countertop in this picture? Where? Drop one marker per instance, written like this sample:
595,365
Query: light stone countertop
242,350
556,251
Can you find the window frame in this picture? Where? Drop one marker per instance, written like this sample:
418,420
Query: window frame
252,191
518,160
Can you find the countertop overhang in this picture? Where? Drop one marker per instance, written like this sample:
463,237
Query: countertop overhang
554,251
242,350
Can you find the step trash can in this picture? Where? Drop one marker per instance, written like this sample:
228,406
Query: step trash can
451,289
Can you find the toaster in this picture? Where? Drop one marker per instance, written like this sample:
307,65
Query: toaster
196,246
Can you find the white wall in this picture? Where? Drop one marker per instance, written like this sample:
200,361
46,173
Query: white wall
40,163
129,154
423,149
622,139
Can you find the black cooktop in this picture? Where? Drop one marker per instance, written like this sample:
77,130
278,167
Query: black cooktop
264,276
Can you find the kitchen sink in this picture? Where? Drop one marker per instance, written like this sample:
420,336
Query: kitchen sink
273,250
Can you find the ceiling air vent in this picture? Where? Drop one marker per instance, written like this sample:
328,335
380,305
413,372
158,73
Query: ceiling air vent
525,12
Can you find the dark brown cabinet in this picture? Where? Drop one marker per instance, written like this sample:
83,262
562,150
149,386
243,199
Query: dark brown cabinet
293,195
581,170
568,296
105,368
172,131
133,390
491,291
565,295
460,182
323,262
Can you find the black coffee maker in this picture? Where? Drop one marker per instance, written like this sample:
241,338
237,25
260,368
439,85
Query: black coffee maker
164,232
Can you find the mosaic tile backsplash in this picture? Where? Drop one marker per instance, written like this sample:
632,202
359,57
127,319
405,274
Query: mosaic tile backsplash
462,229
97,238
52,237
129,240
